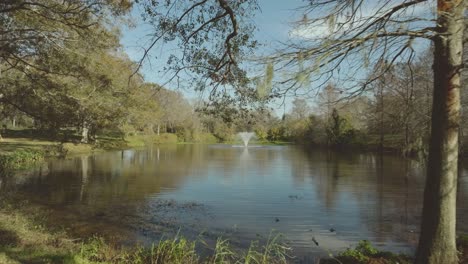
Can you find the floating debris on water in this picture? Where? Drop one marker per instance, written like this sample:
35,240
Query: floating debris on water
315,241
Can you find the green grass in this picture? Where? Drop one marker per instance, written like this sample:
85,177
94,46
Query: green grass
15,144
20,159
23,152
25,239
365,253
144,140
182,251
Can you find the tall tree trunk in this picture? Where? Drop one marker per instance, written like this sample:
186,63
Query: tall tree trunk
437,239
159,128
85,132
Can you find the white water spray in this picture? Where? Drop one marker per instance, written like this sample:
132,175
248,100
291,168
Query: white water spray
246,136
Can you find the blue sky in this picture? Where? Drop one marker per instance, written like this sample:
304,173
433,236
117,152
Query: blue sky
274,25
272,21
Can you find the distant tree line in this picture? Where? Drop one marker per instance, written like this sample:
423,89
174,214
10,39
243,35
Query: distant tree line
62,69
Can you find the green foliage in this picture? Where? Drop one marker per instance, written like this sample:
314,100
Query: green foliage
339,130
92,250
20,159
277,133
179,250
211,47
204,137
365,253
366,248
69,81
223,132
165,138
361,254
354,256
261,133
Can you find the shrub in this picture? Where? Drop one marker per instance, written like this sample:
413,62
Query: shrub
20,159
205,138
165,138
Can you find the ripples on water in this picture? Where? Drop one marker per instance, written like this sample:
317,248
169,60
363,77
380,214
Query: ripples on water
336,198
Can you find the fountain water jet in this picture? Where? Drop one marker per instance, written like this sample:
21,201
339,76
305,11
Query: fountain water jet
246,136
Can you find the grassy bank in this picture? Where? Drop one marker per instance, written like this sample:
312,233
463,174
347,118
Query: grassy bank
22,149
25,238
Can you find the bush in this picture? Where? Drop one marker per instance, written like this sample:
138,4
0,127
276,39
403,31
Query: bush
340,131
277,133
20,159
165,138
261,133
205,138
223,132
364,252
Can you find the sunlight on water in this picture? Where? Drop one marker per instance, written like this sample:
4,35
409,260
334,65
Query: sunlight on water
332,198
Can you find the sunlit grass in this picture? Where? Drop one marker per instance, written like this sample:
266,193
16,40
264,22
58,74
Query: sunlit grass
24,239
179,250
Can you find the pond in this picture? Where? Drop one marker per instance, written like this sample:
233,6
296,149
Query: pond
311,196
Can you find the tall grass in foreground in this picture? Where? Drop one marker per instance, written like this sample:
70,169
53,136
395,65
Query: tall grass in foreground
183,251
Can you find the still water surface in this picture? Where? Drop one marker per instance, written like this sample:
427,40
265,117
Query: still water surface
336,198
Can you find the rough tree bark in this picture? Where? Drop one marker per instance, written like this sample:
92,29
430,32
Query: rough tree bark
437,240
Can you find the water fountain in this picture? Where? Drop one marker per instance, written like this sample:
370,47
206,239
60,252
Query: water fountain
246,136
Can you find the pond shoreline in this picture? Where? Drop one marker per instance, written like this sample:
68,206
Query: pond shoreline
39,215
23,153
15,145
25,236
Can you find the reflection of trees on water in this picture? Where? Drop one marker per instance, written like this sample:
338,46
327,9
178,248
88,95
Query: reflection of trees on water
84,175
386,191
383,193
10,181
388,188
135,174
131,174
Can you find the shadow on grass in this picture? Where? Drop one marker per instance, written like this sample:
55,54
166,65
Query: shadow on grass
18,145
62,135
8,238
28,256
12,251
